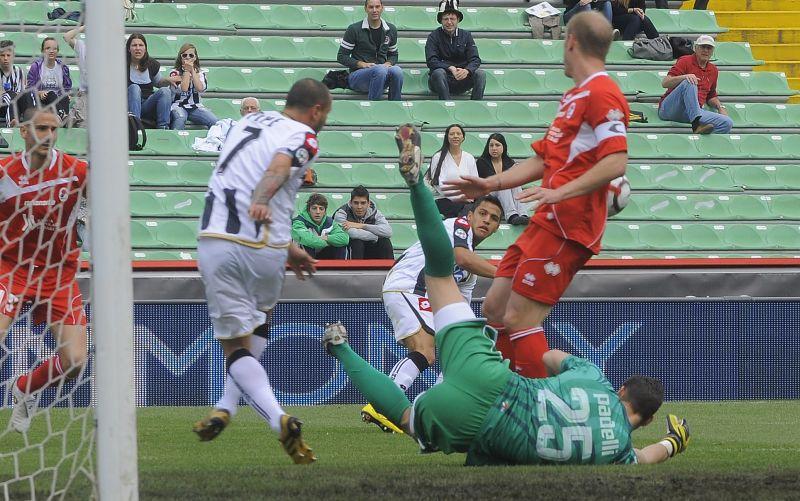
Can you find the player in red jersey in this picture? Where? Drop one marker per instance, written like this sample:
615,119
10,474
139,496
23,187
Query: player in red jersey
40,193
584,148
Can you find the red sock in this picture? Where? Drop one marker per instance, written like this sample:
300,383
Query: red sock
529,346
42,376
503,344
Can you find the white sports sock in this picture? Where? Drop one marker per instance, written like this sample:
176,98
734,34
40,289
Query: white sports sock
248,374
232,394
404,373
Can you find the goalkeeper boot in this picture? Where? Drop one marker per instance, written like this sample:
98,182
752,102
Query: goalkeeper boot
24,407
213,424
409,141
370,415
291,439
335,334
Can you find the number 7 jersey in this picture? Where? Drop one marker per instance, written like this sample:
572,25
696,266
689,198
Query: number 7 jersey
573,418
249,149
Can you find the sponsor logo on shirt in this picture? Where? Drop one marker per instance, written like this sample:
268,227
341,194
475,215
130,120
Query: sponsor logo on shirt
529,279
552,269
424,304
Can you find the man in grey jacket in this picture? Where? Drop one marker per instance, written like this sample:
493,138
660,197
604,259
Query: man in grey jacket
369,230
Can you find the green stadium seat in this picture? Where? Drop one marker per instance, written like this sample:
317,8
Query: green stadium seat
786,206
619,236
641,82
404,235
793,114
733,53
184,203
274,79
665,20
347,112
440,114
787,176
662,236
320,49
377,175
204,16
747,207
753,146
159,15
640,177
537,51
496,51
387,113
791,146
143,234
697,21
506,235
9,15
743,236
252,48
634,210
763,115
664,207
521,82
718,146
251,16
395,206
163,255
195,172
520,114
643,146
341,144
152,173
378,144
237,80
711,178
148,204
412,50
702,236
177,234
223,108
410,18
677,146
755,177
331,175
764,83
73,141
784,236
494,18
288,17
334,16
707,207
166,142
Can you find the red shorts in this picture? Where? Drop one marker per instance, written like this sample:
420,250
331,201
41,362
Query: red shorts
541,264
54,293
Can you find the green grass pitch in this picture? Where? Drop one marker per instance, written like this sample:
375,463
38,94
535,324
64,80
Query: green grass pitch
738,450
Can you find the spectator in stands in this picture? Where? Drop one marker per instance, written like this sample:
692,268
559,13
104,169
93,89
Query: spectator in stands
78,113
495,160
186,104
12,84
698,4
690,84
143,76
572,7
318,233
450,162
49,79
249,105
369,230
452,56
662,4
369,50
630,19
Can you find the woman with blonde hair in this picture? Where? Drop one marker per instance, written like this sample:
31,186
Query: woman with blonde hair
186,104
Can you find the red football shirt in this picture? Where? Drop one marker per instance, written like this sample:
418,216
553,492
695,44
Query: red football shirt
37,217
591,123
707,77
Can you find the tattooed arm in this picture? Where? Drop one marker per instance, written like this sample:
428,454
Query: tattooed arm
277,173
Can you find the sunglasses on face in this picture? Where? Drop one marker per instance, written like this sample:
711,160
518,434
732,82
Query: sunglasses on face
188,55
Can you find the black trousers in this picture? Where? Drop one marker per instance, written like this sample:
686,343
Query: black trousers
327,253
380,249
631,24
30,99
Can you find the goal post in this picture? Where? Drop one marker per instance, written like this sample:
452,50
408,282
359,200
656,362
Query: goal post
112,289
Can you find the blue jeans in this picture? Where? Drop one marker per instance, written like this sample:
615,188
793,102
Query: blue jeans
681,105
375,79
154,107
198,116
443,83
603,6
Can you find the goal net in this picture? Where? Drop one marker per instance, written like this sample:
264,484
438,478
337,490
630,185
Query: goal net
49,407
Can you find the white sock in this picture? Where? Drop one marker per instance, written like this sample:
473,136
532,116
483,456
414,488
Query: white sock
408,369
232,394
248,374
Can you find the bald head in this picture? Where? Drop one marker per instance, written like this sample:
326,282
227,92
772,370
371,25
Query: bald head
593,33
249,105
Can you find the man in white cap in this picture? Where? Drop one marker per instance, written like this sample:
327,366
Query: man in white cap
690,84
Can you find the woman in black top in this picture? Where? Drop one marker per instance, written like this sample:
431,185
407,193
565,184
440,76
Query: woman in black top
495,160
143,76
629,18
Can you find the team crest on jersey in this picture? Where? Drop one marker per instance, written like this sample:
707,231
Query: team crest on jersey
552,269
615,115
301,156
386,40
460,233
63,193
424,304
529,279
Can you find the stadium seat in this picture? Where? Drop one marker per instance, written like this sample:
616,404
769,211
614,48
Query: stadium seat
159,15
287,17
743,236
195,172
404,235
252,16
395,206
178,234
787,176
520,115
441,113
320,49
783,236
184,203
203,16
664,207
152,173
333,16
702,236
755,177
330,175
619,236
232,80
786,206
143,234
706,207
711,178
662,236
147,204
750,207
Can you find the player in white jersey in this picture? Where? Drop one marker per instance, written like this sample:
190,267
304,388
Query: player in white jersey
244,245
405,295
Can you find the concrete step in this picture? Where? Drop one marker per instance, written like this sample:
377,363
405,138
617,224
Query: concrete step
759,19
750,5
761,35
776,52
791,68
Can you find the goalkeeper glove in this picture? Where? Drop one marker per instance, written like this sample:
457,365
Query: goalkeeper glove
678,434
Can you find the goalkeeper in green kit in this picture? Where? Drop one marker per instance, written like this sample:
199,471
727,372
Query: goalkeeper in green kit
483,408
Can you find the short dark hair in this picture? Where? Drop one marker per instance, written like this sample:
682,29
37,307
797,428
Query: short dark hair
6,44
47,39
489,199
359,191
307,93
366,2
593,32
317,199
29,113
645,394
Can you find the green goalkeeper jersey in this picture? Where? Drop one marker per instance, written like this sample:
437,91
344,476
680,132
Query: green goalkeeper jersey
573,418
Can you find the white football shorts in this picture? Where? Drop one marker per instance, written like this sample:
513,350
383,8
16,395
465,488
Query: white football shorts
241,284
408,312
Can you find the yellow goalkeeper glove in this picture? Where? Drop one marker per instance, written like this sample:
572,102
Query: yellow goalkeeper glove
678,434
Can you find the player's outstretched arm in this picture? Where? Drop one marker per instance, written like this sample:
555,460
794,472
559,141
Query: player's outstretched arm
473,263
470,187
676,441
276,174
608,168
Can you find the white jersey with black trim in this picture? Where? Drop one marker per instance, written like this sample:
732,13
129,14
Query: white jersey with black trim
408,272
249,149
